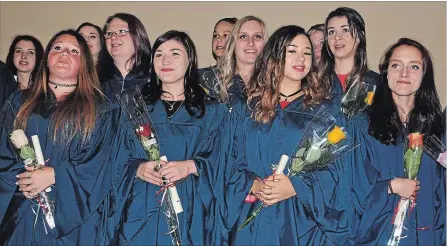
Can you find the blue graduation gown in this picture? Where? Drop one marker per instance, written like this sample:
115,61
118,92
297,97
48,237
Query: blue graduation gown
116,83
7,83
183,137
316,216
209,81
375,214
90,180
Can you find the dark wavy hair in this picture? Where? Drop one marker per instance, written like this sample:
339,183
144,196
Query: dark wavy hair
426,117
194,94
141,59
268,72
327,62
102,40
39,55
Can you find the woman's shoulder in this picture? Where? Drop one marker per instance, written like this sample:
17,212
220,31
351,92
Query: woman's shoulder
16,99
359,124
371,77
215,113
108,109
206,69
360,121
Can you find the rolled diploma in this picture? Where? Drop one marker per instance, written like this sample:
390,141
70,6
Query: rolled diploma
39,154
38,149
174,194
282,164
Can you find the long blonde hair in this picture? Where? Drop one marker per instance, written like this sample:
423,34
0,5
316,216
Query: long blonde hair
228,66
268,72
77,113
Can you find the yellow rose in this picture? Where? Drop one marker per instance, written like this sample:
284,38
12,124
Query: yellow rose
206,90
369,98
336,135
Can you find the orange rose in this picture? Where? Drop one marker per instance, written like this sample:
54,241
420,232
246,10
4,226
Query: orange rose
336,135
416,140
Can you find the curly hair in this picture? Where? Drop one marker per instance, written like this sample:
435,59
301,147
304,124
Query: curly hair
263,87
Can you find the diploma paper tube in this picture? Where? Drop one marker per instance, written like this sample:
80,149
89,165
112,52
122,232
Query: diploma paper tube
38,149
282,164
174,194
39,154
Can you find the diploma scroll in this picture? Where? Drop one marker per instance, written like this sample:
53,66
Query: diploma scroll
174,194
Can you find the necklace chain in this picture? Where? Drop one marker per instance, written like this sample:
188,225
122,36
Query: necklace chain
61,85
171,107
291,95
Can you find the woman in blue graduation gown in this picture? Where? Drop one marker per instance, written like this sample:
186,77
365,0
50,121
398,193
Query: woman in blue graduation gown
209,75
23,60
246,40
187,126
406,101
343,56
80,138
125,60
280,106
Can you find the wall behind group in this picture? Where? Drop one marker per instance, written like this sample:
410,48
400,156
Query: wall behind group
385,22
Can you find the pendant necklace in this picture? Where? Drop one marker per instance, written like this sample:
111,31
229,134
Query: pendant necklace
171,106
291,95
61,85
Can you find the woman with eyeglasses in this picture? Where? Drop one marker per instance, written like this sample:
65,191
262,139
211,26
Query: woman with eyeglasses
126,59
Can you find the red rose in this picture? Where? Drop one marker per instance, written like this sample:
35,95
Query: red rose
250,199
143,130
416,140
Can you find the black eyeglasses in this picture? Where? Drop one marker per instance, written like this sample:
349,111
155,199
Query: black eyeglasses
118,33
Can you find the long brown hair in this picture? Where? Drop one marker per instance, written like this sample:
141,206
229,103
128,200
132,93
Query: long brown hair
263,87
327,63
76,113
228,66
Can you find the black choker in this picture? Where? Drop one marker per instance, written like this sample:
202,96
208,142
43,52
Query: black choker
61,85
291,95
